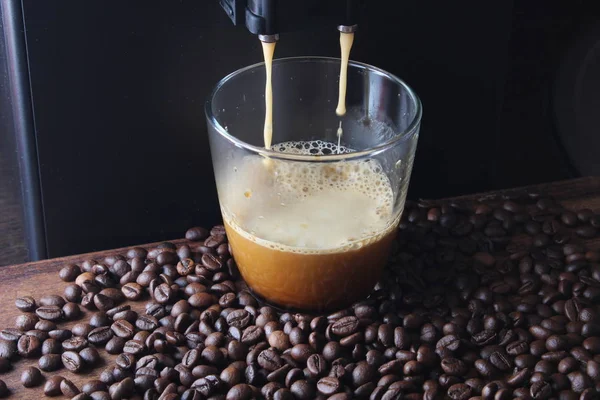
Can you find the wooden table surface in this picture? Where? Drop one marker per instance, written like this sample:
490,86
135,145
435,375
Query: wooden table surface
40,278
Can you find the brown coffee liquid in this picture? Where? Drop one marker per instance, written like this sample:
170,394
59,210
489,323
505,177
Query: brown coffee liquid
309,236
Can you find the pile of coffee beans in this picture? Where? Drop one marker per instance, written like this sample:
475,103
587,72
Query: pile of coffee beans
496,299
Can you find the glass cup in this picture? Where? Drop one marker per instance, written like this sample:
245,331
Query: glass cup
310,224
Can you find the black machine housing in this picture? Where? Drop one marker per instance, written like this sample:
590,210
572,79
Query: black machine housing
272,17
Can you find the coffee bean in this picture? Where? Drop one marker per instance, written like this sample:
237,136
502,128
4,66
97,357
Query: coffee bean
239,319
25,304
90,356
8,348
317,365
72,361
115,345
52,386
30,377
28,346
459,391
132,290
501,361
241,391
163,293
121,390
50,313
328,386
122,328
134,347
345,326
50,362
301,352
579,381
302,390
100,335
279,340
362,373
269,360
69,273
592,344
26,322
68,388
196,234
453,366
125,360
252,335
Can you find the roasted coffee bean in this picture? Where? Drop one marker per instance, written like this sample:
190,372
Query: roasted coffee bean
241,391
134,347
52,300
94,386
75,343
90,356
11,334
302,390
30,377
72,361
100,336
269,360
579,381
8,348
239,319
81,330
115,345
69,273
459,391
345,326
123,329
68,388
99,319
29,346
121,390
50,313
25,304
132,290
146,323
196,234
52,386
26,322
51,346
453,366
301,352
50,362
71,311
59,334
279,340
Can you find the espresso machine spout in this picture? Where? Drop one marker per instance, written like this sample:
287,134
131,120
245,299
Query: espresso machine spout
269,18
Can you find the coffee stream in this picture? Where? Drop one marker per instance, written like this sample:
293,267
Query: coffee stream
268,51
346,40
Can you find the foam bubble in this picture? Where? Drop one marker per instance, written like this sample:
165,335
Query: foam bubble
309,207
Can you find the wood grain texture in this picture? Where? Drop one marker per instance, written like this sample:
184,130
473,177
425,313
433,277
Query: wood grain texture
41,278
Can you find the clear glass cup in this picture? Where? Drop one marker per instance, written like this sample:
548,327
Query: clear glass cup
311,225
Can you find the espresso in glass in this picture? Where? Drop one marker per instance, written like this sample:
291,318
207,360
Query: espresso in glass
309,235
311,219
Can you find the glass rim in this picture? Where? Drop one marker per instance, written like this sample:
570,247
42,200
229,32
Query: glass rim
399,137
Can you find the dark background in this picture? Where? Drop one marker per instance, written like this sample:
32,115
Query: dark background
117,89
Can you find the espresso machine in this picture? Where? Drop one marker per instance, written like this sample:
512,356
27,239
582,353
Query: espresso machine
103,139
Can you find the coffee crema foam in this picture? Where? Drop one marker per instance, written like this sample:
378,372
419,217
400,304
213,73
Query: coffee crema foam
311,208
